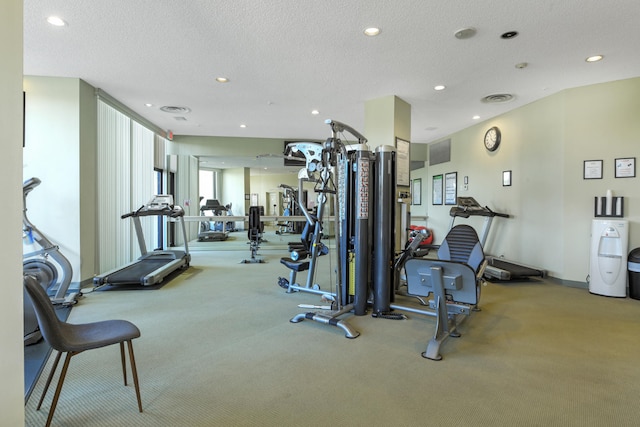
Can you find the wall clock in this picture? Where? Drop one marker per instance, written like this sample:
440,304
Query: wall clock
492,139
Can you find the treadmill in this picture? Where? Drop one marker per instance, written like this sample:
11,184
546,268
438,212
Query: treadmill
498,268
207,231
151,267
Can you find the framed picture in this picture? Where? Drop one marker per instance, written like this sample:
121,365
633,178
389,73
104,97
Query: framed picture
437,190
450,188
506,178
626,168
416,191
403,162
592,169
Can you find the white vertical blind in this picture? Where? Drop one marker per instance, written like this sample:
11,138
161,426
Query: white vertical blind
143,182
127,154
114,184
159,156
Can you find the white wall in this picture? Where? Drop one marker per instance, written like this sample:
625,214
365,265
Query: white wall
234,184
61,117
11,328
223,146
52,127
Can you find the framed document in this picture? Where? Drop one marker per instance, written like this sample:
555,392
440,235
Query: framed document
403,162
416,191
450,188
506,178
626,168
592,169
437,190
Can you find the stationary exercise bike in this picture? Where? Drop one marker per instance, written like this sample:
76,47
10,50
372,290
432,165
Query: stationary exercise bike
47,265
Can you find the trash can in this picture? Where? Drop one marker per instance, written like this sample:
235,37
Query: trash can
633,264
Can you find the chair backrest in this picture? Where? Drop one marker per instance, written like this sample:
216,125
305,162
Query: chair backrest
50,326
461,244
256,226
458,279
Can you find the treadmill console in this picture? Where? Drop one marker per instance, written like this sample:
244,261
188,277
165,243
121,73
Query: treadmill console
468,206
468,203
160,202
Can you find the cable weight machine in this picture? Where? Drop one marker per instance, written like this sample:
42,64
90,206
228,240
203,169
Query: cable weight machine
339,172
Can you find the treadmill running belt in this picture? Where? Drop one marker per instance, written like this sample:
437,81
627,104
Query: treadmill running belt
517,271
136,272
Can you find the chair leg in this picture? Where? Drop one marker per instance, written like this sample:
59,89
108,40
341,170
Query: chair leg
56,395
134,373
46,386
124,363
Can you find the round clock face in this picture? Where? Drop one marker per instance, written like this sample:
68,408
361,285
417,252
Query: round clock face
492,139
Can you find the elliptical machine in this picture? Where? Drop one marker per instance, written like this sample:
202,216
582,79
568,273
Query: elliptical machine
47,265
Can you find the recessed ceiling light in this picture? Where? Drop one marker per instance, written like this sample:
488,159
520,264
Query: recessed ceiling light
148,105
439,87
465,33
315,112
475,117
371,31
243,126
222,79
522,65
594,58
56,21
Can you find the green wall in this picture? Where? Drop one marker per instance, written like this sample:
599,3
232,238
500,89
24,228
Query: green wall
544,144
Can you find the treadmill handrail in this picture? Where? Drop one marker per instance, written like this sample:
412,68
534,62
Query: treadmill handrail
465,212
176,212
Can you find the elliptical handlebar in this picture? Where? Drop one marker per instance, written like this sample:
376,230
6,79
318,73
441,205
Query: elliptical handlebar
29,185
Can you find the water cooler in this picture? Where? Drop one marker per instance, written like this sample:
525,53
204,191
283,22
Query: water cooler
608,258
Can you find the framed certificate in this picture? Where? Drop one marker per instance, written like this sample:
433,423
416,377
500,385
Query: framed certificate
626,168
592,169
437,190
403,162
450,188
416,191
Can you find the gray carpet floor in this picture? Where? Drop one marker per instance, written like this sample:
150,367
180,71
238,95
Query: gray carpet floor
217,349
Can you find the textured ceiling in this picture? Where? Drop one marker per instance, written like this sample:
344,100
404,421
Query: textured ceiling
285,58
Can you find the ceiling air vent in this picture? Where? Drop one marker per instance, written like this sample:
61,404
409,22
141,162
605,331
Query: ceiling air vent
497,98
175,110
